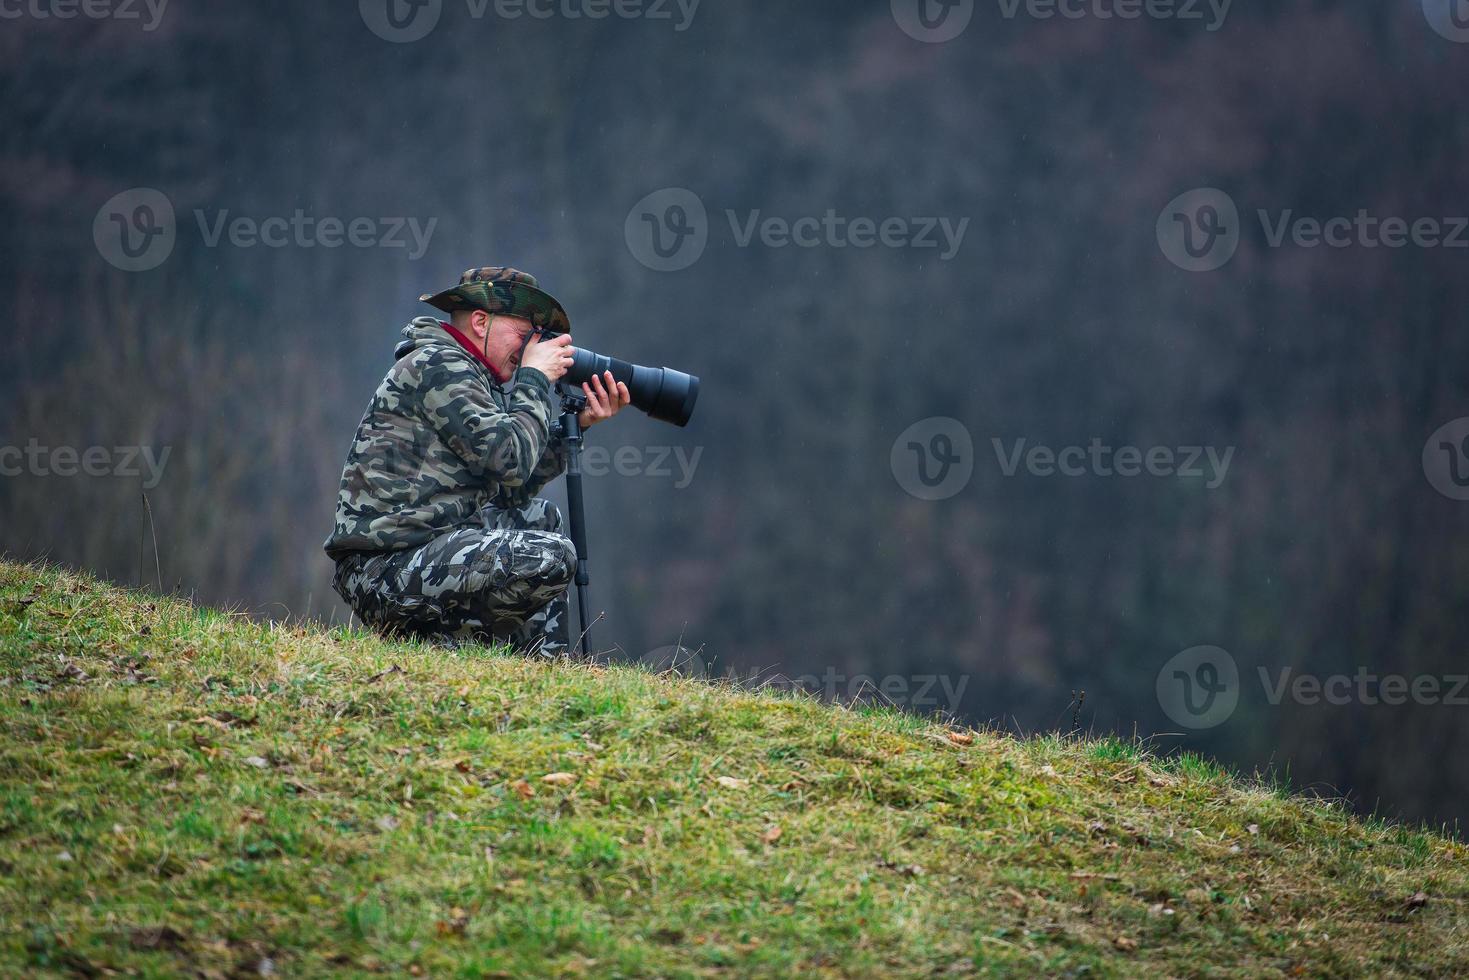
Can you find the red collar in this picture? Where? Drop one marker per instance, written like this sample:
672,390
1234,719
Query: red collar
468,345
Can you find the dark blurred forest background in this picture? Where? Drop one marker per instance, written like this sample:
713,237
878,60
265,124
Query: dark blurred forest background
793,548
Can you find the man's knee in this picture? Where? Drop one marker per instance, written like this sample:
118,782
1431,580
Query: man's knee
564,559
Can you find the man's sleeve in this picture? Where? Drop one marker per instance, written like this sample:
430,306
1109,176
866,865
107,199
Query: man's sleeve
552,464
504,447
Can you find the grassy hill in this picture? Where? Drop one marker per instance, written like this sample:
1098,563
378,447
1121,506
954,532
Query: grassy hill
183,791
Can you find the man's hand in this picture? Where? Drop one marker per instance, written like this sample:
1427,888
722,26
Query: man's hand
550,357
603,401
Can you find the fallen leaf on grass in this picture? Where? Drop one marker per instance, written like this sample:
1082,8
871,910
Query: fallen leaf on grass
454,925
961,738
558,778
730,782
1125,944
256,761
1418,900
523,788
386,822
772,834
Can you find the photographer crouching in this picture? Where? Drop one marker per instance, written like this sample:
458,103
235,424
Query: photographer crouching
439,533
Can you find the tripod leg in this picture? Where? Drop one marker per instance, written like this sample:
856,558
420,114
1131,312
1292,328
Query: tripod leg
576,516
579,540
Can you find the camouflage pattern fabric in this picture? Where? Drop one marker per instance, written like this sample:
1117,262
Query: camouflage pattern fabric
440,440
501,580
501,289
442,455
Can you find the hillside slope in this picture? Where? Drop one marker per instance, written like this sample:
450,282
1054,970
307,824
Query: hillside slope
189,792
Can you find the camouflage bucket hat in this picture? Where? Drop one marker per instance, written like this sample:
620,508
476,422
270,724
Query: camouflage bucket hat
501,289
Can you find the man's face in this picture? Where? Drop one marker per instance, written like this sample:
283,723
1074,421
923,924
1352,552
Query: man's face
500,338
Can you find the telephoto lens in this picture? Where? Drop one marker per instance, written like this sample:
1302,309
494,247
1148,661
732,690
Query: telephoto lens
665,394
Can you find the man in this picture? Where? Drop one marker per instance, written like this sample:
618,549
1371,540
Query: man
438,531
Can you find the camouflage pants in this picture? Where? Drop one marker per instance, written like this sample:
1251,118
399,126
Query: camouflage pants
499,579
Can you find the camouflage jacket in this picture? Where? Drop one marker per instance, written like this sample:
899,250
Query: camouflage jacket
440,440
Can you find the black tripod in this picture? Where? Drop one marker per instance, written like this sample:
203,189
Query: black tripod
572,402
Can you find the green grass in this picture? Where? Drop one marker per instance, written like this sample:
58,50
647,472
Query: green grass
187,792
